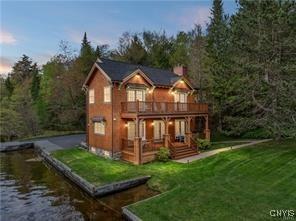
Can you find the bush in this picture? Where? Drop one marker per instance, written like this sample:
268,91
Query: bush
204,144
163,154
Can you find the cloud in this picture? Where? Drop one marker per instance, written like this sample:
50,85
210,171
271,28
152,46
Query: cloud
188,17
7,37
5,65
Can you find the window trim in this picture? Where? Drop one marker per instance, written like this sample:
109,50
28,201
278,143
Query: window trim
93,96
110,92
104,126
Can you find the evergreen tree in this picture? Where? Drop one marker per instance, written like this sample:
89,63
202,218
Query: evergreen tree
218,62
22,70
35,87
264,38
87,55
197,62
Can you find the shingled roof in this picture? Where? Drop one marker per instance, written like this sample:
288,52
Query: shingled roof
117,71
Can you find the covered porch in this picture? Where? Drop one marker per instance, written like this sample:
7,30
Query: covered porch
145,135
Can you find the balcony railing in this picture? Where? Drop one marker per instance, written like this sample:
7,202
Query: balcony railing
162,107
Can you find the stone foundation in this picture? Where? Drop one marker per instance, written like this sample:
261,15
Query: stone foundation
105,153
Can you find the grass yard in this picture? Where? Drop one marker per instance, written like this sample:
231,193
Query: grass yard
243,184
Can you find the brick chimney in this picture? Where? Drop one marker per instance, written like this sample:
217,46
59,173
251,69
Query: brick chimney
180,70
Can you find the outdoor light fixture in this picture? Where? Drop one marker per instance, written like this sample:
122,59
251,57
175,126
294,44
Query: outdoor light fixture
181,81
152,124
170,123
126,125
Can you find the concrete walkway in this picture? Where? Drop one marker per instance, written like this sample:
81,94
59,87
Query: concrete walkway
213,152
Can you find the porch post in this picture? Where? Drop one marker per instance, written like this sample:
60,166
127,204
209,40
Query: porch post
138,143
166,135
207,130
188,131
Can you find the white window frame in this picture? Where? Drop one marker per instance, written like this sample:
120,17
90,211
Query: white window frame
91,96
99,128
107,95
158,129
136,94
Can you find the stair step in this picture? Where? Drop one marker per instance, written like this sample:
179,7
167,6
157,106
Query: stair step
184,155
185,150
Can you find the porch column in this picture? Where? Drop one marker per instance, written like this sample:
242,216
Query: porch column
138,150
166,135
207,130
138,143
188,131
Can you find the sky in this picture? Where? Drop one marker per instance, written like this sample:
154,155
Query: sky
35,28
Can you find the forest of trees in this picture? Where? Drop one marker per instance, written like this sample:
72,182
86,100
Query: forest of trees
244,65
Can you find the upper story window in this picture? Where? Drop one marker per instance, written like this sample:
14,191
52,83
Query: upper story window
91,96
99,128
136,94
107,94
181,97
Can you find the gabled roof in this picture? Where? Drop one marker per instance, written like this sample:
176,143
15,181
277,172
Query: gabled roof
118,71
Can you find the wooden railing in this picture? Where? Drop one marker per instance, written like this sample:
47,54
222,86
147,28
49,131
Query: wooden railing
151,145
128,145
162,107
194,144
172,149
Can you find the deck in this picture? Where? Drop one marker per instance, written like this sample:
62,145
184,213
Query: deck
149,109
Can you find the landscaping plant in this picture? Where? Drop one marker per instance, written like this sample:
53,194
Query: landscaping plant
163,154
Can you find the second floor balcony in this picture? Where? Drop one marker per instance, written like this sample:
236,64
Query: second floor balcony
162,108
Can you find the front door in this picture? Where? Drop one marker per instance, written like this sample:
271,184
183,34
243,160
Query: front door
158,129
180,129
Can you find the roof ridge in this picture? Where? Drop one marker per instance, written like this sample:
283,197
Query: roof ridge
139,65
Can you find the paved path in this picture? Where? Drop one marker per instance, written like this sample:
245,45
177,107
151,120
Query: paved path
213,152
51,143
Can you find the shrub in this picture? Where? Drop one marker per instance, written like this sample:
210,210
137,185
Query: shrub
163,154
204,144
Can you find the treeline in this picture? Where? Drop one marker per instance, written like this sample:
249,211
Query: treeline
244,65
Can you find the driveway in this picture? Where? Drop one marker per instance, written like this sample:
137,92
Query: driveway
67,141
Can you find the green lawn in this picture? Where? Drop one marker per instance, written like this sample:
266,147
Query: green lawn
242,184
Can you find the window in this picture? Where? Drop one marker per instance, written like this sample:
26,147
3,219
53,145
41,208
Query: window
107,94
134,95
131,130
99,128
91,94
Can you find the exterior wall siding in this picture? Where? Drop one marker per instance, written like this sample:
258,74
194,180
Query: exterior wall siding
102,144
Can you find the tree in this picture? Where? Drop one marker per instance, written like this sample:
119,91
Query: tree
197,62
218,62
35,87
158,47
102,51
264,38
180,51
130,49
22,70
87,55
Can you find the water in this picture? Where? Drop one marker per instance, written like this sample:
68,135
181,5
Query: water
31,190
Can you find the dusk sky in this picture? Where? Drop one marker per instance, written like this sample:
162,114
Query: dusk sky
35,28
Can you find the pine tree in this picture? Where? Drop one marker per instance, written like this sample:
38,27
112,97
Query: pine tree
35,86
87,55
218,61
264,38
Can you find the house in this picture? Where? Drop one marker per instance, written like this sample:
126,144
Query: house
133,110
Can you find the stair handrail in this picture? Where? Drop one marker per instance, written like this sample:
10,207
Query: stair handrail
193,141
172,149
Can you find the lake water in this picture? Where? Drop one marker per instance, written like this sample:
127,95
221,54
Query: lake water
31,190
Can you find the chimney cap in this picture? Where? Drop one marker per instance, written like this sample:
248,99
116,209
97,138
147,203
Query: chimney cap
180,70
